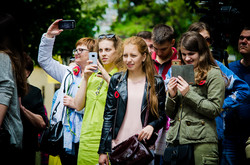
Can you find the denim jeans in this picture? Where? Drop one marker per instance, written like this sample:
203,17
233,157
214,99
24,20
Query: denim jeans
233,151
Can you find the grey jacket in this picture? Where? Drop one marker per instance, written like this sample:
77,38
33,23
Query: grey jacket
193,116
9,97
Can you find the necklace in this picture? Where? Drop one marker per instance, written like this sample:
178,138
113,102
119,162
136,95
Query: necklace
99,88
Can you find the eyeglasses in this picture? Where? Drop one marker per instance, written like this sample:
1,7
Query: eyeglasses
79,50
106,35
244,37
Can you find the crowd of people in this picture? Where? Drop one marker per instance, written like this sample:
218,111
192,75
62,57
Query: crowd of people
130,91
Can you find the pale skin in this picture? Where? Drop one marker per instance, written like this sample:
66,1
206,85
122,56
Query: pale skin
133,59
80,58
164,51
107,52
178,83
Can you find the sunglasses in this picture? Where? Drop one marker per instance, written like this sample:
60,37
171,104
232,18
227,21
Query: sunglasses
106,36
244,37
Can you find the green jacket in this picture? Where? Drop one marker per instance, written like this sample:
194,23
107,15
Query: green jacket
193,115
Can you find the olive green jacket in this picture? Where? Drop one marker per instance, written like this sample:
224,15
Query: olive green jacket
193,115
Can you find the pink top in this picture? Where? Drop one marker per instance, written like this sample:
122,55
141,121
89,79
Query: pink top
131,124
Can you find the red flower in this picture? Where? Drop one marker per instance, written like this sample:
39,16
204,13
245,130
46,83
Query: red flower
116,94
202,82
76,70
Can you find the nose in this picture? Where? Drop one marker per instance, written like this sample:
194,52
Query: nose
244,40
102,53
129,59
187,58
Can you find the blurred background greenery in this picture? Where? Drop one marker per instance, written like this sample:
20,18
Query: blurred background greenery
123,17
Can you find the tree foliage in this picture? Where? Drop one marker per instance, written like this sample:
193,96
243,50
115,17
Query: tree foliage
135,16
35,16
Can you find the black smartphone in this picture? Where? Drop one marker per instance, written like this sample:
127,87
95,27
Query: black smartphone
67,24
185,71
94,57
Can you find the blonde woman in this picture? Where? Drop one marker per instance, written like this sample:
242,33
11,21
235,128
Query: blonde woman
130,94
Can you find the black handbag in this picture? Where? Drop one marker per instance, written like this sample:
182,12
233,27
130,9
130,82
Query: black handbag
179,155
131,152
52,139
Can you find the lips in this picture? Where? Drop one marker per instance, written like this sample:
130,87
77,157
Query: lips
130,65
104,59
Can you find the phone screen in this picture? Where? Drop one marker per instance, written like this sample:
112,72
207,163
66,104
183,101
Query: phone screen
67,24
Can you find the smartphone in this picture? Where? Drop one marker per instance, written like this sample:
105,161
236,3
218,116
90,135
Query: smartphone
67,24
94,57
176,62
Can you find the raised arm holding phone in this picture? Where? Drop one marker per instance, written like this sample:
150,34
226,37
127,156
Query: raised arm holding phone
69,85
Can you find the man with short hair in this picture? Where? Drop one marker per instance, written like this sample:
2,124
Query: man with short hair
164,52
147,37
237,121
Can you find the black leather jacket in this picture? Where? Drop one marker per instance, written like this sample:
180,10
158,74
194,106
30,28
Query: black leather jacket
117,98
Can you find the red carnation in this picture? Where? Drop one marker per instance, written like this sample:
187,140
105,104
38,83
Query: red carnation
202,82
116,94
76,70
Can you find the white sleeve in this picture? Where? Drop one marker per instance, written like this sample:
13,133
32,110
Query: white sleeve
45,60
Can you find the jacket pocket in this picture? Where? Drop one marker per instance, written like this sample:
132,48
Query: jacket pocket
210,160
172,130
194,130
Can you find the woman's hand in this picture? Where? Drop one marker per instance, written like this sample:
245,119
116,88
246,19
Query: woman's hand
182,86
146,133
104,74
69,101
172,87
53,30
89,69
103,159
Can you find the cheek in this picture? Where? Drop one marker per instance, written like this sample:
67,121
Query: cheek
112,55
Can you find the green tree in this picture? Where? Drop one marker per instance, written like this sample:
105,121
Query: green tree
35,16
135,16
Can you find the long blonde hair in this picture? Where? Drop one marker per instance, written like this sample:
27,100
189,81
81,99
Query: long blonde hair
149,69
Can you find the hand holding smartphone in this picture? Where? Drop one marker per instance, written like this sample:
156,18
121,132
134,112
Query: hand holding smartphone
93,57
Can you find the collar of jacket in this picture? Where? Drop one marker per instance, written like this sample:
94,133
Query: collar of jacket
122,89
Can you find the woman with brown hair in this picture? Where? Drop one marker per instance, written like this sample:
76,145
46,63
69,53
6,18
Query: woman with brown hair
193,108
131,93
12,85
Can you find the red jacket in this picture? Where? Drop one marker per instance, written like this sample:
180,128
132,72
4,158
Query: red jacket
162,69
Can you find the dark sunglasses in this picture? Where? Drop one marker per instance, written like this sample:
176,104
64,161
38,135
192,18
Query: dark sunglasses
106,36
244,37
